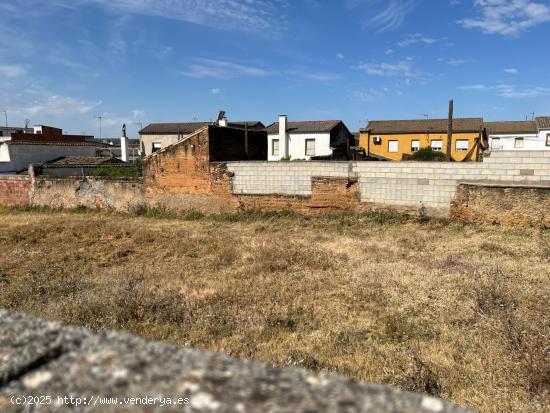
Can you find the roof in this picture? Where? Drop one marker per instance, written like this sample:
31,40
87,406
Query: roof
423,125
73,161
310,126
190,127
543,122
511,127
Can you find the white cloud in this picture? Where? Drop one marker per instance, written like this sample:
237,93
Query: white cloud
58,105
389,52
507,17
512,71
510,91
416,38
340,55
403,68
13,70
221,69
391,17
215,91
371,95
138,114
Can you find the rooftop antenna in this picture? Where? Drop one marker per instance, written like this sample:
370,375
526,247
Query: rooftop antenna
27,123
99,117
426,115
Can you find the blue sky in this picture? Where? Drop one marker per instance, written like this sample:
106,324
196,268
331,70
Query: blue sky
63,62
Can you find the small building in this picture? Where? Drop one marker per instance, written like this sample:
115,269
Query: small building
514,136
77,165
6,131
319,139
543,123
44,144
398,140
160,135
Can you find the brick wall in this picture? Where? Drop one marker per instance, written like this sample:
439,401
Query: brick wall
14,190
500,203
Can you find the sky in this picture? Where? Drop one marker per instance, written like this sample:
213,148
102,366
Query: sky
66,62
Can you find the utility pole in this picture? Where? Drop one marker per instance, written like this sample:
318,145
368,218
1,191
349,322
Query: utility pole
450,130
99,117
6,115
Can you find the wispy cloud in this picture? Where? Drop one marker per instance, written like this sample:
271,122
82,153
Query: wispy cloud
59,105
512,71
390,17
507,17
221,69
510,91
403,68
451,61
370,95
12,71
411,39
215,91
249,15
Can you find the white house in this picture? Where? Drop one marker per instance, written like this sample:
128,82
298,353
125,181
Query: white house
531,135
543,123
303,140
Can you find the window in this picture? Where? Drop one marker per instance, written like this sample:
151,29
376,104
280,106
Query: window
462,145
495,143
275,147
518,143
437,145
548,139
156,146
415,146
310,147
393,146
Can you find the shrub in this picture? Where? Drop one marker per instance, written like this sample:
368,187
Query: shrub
428,154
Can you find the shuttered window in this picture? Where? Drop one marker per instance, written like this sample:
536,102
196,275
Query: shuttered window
275,147
462,145
310,147
437,145
393,146
415,146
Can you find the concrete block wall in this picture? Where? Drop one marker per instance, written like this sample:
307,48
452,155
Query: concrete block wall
404,185
283,178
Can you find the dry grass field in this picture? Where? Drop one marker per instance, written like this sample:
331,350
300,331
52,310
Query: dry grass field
431,306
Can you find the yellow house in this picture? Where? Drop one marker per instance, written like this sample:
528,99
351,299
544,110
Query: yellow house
397,140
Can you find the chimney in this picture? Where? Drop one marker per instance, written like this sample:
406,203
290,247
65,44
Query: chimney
222,122
124,148
283,136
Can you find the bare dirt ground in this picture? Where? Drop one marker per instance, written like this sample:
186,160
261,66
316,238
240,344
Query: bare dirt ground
456,311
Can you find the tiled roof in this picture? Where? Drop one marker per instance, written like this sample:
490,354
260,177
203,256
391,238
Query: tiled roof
73,161
511,127
186,128
424,125
543,122
312,126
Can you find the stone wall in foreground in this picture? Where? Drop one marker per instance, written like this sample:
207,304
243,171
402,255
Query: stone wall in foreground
44,358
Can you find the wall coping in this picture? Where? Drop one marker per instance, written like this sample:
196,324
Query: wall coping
507,184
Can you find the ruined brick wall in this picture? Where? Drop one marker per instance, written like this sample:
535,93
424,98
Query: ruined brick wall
505,204
122,194
14,190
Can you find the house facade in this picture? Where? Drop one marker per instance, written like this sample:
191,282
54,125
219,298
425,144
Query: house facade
156,136
308,139
513,136
398,140
532,135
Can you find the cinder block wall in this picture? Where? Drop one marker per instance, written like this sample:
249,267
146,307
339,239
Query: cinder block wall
14,190
282,178
403,185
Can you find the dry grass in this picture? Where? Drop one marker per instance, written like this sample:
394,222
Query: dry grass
457,311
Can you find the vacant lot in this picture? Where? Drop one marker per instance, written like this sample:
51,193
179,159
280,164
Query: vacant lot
456,311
